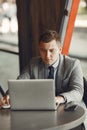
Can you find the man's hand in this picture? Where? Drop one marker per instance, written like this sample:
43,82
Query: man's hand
59,100
4,101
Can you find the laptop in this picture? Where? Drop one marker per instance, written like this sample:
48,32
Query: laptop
33,94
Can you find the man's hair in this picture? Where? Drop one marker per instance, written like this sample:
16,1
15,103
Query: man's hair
48,36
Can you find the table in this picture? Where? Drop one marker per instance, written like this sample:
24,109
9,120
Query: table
38,120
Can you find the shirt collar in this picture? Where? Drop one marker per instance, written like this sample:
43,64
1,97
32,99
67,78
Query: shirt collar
56,64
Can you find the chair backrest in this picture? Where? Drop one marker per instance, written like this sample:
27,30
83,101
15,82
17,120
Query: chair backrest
85,91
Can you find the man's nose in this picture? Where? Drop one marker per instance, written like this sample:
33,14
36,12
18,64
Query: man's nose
48,54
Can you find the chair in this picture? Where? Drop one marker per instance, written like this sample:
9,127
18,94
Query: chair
85,91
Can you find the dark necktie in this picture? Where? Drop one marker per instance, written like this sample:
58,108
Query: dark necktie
51,72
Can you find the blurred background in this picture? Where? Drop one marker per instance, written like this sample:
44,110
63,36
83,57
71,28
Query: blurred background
79,38
9,62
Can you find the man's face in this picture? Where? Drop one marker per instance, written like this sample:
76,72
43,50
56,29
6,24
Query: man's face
49,51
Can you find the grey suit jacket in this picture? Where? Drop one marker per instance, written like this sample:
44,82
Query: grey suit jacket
69,76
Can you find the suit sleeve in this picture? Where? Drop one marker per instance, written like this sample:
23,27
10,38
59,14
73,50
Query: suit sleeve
75,85
25,73
28,72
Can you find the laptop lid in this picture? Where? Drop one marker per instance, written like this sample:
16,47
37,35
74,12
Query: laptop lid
37,94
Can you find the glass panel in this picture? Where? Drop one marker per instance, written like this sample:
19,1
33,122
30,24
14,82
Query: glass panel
9,63
8,23
78,46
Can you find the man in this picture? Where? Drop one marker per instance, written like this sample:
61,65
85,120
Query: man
66,71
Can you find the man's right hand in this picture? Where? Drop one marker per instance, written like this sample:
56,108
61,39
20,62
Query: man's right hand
4,101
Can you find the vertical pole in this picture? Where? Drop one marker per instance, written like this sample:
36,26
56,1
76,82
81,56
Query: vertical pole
70,27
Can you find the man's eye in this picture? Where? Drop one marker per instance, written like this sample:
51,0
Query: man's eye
52,50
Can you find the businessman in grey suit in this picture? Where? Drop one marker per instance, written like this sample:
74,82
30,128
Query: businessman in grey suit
68,75
66,71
